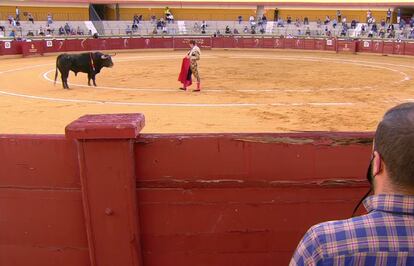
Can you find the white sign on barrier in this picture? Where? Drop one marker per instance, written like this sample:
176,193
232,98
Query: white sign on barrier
366,44
7,45
328,42
49,44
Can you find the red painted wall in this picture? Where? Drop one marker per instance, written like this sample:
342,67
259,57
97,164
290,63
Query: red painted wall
216,199
62,45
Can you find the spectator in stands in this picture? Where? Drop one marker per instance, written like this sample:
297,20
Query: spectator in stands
135,19
371,33
2,34
334,23
363,29
385,235
159,24
353,24
155,30
262,30
49,30
203,27
327,20
318,23
391,34
41,31
30,18
17,13
2,28
306,21
134,27
61,30
252,21
67,28
381,33
196,27
164,29
344,21
411,34
140,18
338,15
289,20
49,19
253,30
297,23
382,22
398,16
246,29
12,34
10,19
128,30
240,19
280,23
167,12
264,19
402,24
227,31
389,16
235,31
153,19
30,33
374,28
343,31
390,28
308,31
170,18
369,14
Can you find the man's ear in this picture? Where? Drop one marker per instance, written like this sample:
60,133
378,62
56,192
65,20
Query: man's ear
377,164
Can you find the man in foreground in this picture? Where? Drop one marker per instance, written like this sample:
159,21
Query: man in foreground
384,236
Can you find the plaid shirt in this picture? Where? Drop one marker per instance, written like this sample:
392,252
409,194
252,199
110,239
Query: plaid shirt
384,236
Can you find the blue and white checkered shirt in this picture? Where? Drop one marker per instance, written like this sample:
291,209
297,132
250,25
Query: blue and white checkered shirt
384,236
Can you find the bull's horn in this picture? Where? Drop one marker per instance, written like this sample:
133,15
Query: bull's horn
112,54
104,56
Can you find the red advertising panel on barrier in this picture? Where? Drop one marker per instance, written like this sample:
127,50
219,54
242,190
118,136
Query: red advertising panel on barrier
159,43
365,46
309,44
320,44
399,48
377,46
183,43
238,42
388,48
330,44
251,42
268,43
279,43
345,46
10,47
409,48
32,48
117,43
136,43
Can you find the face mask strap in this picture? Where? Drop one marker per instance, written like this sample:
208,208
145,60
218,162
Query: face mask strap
370,178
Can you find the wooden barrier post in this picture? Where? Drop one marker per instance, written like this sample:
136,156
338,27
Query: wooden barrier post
107,172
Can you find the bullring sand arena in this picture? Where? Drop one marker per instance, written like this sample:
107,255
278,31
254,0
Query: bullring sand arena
242,91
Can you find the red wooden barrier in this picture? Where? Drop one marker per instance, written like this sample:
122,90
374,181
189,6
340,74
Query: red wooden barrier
409,48
62,45
101,196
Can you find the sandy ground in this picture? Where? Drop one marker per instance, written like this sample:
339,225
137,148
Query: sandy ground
243,91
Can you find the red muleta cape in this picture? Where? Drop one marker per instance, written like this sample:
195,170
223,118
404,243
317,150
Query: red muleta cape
185,68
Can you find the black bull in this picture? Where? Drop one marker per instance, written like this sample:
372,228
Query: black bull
90,63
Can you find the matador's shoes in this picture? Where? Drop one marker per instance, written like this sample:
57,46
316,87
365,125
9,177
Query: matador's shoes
198,87
183,89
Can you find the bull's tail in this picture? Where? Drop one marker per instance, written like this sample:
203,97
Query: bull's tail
56,70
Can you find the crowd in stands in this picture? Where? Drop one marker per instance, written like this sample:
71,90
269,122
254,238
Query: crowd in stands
338,26
15,28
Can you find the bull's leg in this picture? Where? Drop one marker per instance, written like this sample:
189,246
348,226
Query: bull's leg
93,79
89,79
65,81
